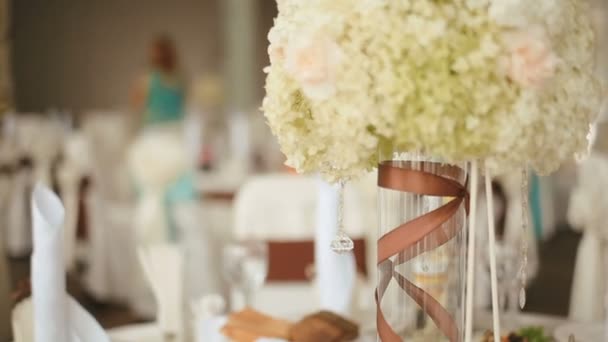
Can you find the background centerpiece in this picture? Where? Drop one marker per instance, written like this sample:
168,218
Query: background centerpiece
356,82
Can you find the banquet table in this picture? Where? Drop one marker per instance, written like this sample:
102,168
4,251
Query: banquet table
149,332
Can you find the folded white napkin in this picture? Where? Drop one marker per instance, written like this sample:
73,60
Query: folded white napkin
163,265
336,273
48,270
56,317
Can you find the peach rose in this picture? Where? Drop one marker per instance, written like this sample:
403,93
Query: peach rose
276,48
276,53
531,61
312,61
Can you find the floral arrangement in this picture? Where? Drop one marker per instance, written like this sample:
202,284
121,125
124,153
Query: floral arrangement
508,81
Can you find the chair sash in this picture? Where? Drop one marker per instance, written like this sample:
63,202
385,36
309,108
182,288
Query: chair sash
291,261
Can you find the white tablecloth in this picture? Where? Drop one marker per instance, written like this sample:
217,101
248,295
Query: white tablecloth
151,333
483,322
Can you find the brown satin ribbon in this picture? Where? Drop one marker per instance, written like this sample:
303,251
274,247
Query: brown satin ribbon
404,241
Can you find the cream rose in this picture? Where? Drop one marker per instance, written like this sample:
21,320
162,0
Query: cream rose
312,60
531,61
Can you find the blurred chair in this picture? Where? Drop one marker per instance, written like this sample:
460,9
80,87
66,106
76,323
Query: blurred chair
111,258
37,141
5,288
280,209
39,137
587,213
109,134
8,170
8,164
75,166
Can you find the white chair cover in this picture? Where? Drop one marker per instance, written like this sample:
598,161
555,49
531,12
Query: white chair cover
76,165
587,213
18,233
113,272
292,200
282,207
13,210
109,134
8,163
111,252
38,138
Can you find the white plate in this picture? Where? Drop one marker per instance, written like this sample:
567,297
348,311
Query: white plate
583,332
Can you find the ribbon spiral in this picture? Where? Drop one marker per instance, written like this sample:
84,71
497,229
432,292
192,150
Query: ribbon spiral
405,240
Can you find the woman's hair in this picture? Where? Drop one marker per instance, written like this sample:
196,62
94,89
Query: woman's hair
163,54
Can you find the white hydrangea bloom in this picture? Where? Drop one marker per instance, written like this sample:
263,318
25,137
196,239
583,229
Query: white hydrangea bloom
350,77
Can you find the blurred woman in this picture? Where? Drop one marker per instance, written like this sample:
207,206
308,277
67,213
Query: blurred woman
160,95
158,158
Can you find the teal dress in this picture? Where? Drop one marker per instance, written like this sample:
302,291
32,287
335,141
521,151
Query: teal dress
165,102
165,105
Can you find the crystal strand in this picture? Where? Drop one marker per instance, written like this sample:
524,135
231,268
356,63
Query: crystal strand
525,218
341,243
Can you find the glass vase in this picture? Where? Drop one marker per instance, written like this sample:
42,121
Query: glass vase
422,209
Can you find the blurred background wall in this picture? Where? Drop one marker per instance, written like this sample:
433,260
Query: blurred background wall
84,55
6,81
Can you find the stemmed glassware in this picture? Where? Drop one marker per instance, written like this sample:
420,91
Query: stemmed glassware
245,269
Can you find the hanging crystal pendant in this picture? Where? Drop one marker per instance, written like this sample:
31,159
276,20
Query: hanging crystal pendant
525,218
342,243
522,297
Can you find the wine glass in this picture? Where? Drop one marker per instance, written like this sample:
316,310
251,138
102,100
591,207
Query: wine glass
245,269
